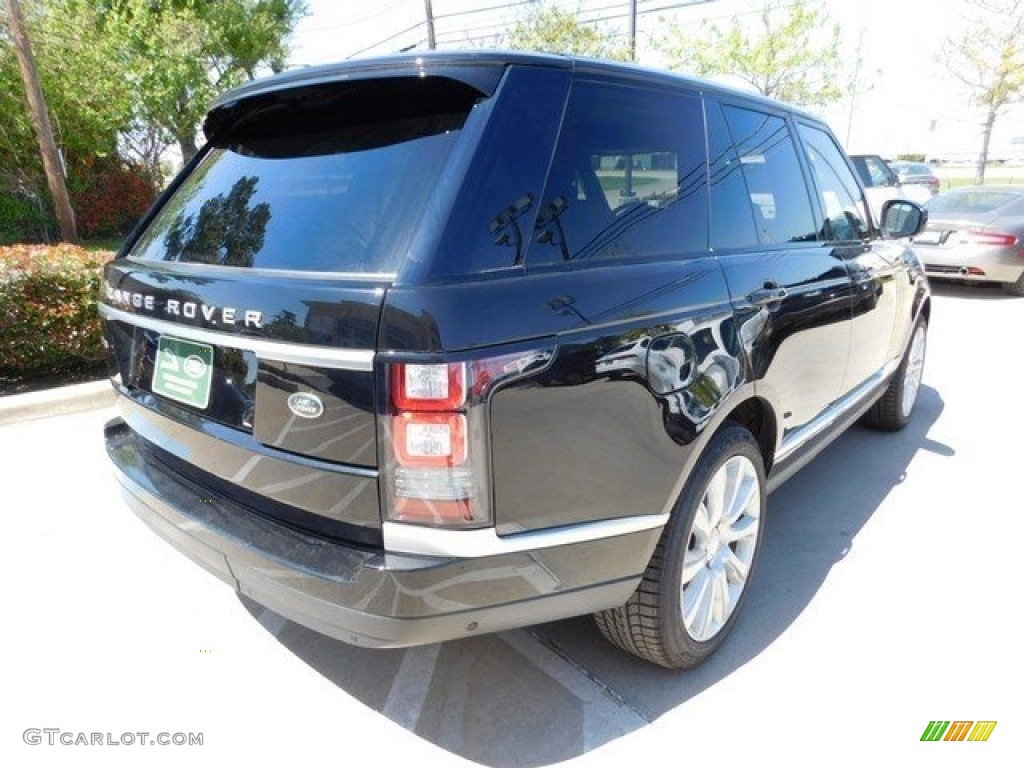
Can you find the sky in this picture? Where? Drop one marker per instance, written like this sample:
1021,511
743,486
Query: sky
911,104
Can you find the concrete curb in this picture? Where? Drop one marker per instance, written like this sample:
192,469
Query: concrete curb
55,402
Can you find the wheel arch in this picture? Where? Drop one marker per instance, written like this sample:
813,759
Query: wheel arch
758,417
746,408
925,309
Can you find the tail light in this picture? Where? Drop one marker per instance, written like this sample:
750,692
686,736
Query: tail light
436,387
980,237
434,434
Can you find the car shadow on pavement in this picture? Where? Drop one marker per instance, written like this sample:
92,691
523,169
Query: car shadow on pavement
553,692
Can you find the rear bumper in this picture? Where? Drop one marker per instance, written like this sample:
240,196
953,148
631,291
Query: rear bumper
998,265
369,597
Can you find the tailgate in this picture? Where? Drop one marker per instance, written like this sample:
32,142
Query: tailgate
268,381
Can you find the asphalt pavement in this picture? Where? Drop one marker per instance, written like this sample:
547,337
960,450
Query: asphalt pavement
888,596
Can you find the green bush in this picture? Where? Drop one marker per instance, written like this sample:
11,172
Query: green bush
21,220
48,317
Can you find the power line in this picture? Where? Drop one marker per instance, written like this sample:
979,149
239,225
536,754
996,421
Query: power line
353,20
497,27
460,35
502,7
388,39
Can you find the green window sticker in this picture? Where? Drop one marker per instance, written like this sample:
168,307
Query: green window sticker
183,371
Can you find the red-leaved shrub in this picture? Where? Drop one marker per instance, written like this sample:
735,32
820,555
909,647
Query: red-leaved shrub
109,197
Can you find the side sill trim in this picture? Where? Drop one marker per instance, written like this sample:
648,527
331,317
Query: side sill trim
403,538
281,351
834,412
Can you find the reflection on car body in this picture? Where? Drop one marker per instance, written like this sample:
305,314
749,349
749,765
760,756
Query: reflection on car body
531,337
629,358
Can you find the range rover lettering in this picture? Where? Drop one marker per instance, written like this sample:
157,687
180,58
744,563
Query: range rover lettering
424,347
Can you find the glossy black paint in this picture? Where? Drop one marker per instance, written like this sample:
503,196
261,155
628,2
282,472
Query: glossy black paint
251,394
583,414
352,592
766,315
340,502
343,432
324,310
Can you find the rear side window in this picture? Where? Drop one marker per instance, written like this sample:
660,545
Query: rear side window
491,220
775,182
732,217
628,179
330,178
840,196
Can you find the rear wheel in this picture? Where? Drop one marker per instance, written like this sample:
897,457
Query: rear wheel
695,584
892,410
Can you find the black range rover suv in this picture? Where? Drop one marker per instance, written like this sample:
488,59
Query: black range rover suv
425,347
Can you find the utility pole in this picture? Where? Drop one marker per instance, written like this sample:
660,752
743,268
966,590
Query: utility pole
41,122
431,41
632,30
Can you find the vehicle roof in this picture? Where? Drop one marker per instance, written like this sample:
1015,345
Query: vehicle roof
443,62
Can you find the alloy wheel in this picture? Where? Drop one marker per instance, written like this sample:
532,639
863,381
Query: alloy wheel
914,372
720,551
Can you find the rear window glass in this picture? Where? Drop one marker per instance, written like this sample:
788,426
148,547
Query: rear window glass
319,179
972,200
628,179
775,183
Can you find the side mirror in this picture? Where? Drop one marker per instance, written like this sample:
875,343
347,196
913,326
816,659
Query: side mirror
902,218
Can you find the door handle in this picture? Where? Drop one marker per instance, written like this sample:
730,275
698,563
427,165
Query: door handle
771,293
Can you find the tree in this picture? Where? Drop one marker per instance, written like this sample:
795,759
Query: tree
792,54
88,97
40,117
987,56
179,54
553,30
125,79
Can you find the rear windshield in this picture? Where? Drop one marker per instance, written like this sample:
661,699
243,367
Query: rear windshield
973,200
332,178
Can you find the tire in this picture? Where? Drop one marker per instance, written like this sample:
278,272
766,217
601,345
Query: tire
676,624
1017,288
893,409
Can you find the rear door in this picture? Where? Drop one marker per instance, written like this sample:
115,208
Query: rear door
792,296
602,246
874,266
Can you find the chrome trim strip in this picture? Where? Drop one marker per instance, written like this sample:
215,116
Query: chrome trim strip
373,278
403,538
281,351
833,413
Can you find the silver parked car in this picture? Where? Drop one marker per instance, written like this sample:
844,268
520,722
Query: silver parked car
976,234
916,173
